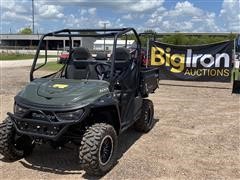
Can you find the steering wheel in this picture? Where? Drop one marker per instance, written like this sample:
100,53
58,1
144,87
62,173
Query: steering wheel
103,70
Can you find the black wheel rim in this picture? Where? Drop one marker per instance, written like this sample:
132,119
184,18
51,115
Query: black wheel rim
148,117
106,149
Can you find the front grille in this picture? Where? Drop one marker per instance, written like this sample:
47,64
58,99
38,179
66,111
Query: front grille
43,116
38,128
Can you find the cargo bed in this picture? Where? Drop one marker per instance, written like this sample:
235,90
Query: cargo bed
149,80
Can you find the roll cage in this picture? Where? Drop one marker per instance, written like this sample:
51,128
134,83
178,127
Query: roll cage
99,33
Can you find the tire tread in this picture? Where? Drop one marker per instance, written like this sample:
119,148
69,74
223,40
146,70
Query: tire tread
88,151
6,146
141,125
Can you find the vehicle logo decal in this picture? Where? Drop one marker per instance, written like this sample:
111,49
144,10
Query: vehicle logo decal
60,86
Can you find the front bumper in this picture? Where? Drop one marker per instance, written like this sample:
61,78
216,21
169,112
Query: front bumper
45,129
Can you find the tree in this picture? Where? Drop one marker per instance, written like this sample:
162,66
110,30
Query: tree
181,39
145,38
26,30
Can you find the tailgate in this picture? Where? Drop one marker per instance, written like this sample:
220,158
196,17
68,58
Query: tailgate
149,80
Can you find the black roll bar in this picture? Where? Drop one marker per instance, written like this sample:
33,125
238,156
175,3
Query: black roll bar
116,33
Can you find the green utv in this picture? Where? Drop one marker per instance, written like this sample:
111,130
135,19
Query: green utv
89,102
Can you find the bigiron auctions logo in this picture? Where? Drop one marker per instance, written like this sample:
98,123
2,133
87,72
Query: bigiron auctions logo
190,63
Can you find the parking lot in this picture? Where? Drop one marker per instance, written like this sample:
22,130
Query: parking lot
196,136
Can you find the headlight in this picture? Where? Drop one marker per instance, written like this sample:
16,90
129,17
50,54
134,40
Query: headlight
70,115
19,110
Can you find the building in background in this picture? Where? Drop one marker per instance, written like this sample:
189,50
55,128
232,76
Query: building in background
17,41
99,44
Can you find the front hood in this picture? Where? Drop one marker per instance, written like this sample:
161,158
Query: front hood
63,92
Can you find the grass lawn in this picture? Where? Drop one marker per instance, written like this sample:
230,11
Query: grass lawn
9,57
52,66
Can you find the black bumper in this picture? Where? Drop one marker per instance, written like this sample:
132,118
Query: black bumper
41,129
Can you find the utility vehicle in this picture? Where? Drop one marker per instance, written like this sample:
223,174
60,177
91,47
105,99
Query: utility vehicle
88,102
63,57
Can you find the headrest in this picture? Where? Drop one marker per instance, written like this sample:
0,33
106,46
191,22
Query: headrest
81,53
122,54
101,56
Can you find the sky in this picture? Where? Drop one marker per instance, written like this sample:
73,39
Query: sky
158,15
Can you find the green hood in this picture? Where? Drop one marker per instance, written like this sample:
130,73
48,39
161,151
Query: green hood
64,92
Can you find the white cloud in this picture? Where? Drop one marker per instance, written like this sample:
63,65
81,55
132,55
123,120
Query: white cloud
75,21
230,15
86,12
102,22
187,8
120,5
13,10
143,5
82,21
21,11
183,17
92,11
50,11
127,16
13,16
7,4
140,14
83,11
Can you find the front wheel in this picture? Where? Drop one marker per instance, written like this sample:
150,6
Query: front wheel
12,145
146,121
97,152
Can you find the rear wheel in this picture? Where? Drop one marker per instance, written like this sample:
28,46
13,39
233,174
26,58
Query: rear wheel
13,146
97,152
145,123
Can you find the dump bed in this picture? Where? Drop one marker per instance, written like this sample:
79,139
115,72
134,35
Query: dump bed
149,80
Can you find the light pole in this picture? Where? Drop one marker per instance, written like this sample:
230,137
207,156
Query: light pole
32,16
104,26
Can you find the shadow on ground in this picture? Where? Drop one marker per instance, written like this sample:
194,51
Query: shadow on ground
65,160
192,86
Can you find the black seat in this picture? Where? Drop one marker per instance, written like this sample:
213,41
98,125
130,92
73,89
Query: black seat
122,54
101,56
122,58
78,65
81,53
126,69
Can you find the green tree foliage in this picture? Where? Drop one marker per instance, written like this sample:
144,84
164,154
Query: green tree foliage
232,36
26,30
144,38
181,39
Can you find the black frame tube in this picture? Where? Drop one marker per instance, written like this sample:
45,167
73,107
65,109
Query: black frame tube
116,33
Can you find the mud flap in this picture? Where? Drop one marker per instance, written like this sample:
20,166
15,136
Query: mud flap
236,84
236,87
